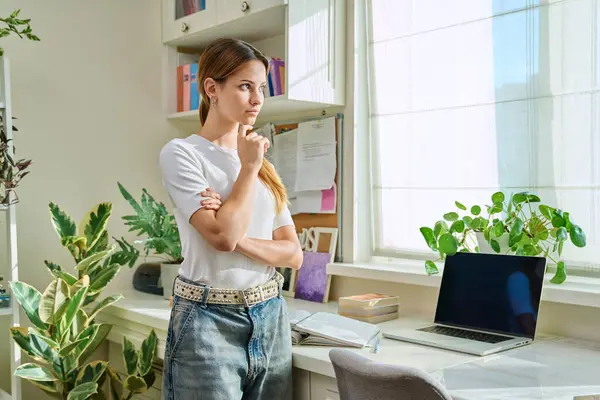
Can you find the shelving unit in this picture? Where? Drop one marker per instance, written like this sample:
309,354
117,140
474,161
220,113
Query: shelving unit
11,237
308,35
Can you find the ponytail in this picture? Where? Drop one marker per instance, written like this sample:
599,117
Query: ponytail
204,106
272,181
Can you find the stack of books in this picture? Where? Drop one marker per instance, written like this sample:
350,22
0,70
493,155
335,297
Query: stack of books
373,308
188,98
275,78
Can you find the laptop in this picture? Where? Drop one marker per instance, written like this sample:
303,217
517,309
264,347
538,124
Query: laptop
487,303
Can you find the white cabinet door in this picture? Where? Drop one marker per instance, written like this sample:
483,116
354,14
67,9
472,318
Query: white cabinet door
229,10
323,388
176,24
316,51
301,382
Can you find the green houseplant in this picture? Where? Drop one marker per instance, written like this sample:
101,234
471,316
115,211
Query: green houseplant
152,220
12,171
517,224
19,27
64,333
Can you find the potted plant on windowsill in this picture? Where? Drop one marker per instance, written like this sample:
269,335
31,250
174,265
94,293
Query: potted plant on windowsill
151,219
519,224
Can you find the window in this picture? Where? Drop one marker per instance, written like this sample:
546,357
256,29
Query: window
471,96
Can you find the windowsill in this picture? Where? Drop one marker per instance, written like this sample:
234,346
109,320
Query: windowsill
575,290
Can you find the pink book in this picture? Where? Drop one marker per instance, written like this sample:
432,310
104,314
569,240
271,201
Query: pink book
186,87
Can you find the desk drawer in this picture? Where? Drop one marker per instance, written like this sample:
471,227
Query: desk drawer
323,388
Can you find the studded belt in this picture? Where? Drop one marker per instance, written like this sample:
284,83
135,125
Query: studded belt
247,297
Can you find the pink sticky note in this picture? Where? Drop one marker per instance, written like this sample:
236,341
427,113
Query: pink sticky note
328,199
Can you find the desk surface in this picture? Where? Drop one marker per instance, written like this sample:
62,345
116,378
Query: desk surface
551,368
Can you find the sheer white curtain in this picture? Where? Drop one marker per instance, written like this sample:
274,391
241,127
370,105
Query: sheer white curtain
471,96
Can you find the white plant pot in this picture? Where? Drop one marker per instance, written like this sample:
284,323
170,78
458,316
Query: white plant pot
484,246
168,274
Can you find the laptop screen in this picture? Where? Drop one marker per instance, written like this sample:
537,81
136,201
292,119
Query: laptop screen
497,293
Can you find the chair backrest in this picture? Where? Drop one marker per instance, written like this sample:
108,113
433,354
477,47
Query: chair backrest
359,378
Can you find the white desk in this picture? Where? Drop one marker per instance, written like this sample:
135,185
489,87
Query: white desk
551,368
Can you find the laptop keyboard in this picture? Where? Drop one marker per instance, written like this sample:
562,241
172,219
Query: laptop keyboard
461,333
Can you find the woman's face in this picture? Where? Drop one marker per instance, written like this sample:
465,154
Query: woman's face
241,97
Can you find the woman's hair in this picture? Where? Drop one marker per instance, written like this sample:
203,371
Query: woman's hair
218,61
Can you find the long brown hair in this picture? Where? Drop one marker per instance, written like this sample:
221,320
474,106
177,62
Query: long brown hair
218,61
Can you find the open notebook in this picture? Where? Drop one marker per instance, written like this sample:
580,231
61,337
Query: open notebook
328,329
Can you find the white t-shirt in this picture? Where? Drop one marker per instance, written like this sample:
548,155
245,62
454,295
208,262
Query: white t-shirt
191,165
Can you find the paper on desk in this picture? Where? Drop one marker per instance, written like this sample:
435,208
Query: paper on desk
315,201
285,158
316,158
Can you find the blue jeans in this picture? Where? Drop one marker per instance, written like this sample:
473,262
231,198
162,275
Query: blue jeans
228,352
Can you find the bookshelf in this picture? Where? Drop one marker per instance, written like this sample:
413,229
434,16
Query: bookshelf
308,35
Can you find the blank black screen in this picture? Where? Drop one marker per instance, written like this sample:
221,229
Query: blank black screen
498,293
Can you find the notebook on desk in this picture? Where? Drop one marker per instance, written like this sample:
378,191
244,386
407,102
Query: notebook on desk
487,303
328,329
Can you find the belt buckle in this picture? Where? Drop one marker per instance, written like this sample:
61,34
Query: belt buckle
246,303
261,293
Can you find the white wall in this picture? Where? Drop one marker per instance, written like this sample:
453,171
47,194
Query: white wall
88,98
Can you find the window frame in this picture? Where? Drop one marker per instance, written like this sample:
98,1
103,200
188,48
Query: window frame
358,215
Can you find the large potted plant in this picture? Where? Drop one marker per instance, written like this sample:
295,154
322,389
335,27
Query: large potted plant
63,332
12,170
158,226
518,224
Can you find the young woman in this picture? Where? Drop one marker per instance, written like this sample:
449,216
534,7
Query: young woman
229,333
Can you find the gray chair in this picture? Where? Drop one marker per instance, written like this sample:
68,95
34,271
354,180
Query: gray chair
359,378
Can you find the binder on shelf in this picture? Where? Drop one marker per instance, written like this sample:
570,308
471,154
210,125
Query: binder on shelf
194,95
180,88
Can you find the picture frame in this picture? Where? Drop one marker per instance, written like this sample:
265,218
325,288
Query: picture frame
312,281
311,240
289,281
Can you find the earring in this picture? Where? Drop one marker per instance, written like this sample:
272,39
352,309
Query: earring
213,102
